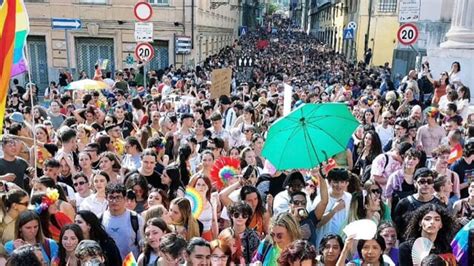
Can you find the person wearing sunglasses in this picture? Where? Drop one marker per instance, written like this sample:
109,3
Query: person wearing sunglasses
15,202
424,181
308,220
294,182
284,230
367,204
247,240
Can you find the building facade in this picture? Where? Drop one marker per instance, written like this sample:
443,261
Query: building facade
107,32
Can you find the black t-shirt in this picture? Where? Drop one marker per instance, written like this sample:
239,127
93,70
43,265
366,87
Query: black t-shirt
126,128
154,180
404,210
465,172
17,167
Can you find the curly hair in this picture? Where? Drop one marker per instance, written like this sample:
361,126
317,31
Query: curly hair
299,250
445,234
242,208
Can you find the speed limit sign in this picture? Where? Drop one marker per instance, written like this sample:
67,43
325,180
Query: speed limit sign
407,34
144,52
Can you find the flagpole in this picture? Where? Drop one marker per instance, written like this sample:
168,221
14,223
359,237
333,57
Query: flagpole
35,146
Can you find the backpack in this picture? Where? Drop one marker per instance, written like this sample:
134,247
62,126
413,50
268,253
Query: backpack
368,169
133,221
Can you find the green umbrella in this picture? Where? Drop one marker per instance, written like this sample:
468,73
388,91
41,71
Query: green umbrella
309,135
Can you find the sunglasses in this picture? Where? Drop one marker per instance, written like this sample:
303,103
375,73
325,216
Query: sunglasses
376,191
299,202
426,181
237,215
387,118
80,183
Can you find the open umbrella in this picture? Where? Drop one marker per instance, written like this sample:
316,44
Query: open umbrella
309,135
86,84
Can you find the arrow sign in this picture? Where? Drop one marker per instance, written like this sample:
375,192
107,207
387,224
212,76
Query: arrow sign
66,23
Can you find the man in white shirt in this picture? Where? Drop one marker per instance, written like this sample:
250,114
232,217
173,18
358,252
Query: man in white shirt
385,130
337,210
228,113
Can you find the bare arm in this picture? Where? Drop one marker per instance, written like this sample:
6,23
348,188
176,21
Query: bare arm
323,190
340,205
224,194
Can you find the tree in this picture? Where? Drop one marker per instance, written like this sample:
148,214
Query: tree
272,8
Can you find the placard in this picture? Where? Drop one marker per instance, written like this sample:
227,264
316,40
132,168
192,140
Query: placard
221,80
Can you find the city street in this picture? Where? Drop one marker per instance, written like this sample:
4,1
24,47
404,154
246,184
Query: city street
236,132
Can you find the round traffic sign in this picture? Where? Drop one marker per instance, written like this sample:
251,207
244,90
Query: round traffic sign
352,25
144,52
407,34
143,11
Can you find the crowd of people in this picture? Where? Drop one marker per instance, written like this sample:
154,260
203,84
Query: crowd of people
92,177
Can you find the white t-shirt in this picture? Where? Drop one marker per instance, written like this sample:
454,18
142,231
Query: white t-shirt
385,134
94,205
338,221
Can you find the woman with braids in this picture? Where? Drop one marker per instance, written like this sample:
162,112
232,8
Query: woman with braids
435,223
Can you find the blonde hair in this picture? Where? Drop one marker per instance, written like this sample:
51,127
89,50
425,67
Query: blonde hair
286,220
188,221
153,212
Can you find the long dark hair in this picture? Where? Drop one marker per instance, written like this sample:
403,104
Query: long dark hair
246,190
379,240
184,154
444,235
97,231
158,222
325,240
375,147
77,231
49,183
174,174
45,217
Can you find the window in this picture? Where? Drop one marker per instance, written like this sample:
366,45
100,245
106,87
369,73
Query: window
387,6
98,2
159,2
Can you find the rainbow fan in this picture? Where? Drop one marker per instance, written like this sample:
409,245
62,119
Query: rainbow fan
421,248
196,201
224,170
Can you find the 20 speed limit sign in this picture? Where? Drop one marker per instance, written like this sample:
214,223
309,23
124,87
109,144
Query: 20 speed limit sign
407,34
144,52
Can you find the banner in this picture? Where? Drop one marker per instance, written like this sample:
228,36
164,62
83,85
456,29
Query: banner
221,80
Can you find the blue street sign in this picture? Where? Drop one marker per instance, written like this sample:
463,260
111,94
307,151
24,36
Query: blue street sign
243,30
348,34
66,23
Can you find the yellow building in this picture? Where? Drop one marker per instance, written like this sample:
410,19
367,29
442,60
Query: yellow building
107,32
376,30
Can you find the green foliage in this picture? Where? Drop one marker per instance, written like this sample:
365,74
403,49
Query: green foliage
272,8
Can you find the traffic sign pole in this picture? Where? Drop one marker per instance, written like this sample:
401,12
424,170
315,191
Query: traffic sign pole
67,51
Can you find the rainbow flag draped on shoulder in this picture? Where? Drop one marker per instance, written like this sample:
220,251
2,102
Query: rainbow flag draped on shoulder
14,28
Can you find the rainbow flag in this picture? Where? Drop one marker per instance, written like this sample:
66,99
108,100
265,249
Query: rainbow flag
21,31
129,260
14,27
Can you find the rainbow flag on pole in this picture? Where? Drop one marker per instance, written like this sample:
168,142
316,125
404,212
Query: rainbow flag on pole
14,27
129,260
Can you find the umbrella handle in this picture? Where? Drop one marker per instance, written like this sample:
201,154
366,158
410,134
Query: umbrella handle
321,164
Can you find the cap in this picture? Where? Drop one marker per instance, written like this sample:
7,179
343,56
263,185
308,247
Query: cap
186,115
224,99
422,172
17,117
